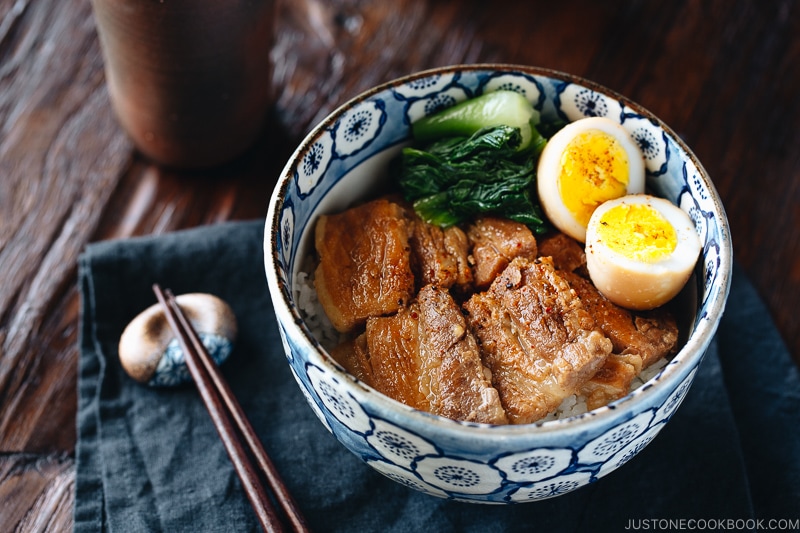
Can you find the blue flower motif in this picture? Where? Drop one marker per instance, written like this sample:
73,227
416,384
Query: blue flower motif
398,444
314,163
708,273
518,82
403,476
421,84
172,369
591,104
616,440
343,408
457,476
359,127
696,215
671,403
630,451
638,446
287,232
698,186
548,489
460,476
554,488
647,142
612,441
676,398
334,400
313,159
535,465
508,86
438,103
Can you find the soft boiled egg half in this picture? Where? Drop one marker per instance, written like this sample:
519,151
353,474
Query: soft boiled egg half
586,163
640,250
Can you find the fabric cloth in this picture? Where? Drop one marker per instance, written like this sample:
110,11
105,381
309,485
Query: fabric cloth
150,460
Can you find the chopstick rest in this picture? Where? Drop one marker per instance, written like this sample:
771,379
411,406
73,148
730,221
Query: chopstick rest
150,352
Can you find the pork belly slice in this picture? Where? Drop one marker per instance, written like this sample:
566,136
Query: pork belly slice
364,263
352,355
453,376
495,242
638,339
425,357
536,338
567,253
612,381
385,357
440,256
652,335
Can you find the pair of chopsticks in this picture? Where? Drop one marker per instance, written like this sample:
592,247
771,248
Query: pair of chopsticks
226,413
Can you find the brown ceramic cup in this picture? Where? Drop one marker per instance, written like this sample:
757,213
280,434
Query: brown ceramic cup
189,80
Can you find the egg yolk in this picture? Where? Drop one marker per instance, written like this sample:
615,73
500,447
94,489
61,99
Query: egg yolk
638,232
594,168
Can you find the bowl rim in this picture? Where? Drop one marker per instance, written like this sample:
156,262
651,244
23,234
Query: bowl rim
688,357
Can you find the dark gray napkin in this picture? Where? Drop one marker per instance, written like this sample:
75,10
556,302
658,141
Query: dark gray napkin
150,460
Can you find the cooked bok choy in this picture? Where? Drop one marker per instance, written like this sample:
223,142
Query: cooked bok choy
465,164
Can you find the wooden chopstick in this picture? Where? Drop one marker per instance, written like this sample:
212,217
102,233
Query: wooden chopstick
222,407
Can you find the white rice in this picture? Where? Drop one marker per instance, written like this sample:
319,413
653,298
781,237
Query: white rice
317,321
305,296
573,405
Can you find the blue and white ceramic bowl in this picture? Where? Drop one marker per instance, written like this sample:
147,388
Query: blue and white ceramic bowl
342,161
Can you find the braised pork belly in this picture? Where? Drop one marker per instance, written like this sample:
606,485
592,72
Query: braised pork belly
651,335
567,253
539,343
482,324
638,339
440,256
612,381
425,357
364,263
638,342
495,243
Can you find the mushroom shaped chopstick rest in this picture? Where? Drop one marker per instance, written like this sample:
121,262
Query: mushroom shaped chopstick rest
151,354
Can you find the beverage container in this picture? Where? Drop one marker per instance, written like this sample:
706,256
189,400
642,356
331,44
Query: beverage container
189,80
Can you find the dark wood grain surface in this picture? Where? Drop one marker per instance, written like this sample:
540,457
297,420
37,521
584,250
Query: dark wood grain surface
724,74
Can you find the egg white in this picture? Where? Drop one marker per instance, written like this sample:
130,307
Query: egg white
549,170
642,285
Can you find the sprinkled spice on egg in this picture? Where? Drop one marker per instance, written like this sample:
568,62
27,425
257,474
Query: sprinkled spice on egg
584,164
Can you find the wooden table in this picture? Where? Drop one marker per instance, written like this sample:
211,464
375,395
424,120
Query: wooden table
725,74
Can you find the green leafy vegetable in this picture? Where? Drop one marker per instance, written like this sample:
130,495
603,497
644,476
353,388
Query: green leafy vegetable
456,178
499,108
